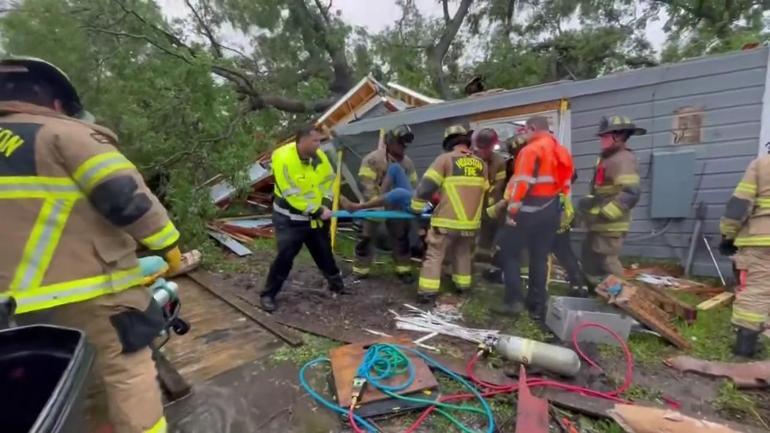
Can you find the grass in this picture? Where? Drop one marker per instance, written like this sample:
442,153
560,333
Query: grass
641,393
736,402
589,425
313,347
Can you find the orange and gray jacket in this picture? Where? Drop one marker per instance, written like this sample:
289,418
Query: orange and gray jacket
462,179
374,166
747,215
73,207
615,191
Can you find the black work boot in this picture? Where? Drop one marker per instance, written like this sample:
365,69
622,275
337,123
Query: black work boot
579,291
510,309
427,299
493,276
537,312
336,285
267,303
746,342
406,278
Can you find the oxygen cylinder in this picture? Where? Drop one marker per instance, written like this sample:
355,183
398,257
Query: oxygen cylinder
549,357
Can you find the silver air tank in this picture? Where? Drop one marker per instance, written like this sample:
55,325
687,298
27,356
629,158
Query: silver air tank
556,359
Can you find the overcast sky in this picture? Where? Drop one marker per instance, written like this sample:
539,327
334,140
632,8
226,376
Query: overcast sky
375,15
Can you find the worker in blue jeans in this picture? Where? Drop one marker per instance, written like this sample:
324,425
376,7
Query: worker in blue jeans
398,193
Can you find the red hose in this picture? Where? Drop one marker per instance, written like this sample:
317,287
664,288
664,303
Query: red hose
491,390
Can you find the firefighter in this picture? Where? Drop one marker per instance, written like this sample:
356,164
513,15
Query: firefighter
462,179
73,209
303,195
745,229
542,171
562,248
614,192
384,169
483,143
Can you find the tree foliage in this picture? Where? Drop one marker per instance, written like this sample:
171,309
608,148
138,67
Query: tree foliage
205,89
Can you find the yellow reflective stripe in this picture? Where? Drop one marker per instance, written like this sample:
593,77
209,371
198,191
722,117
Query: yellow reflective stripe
418,205
461,280
612,211
433,175
748,316
159,427
454,224
21,187
752,241
403,269
69,292
360,271
42,241
611,227
163,238
763,203
366,171
466,181
429,283
500,176
606,189
729,227
627,179
746,187
413,177
97,168
457,204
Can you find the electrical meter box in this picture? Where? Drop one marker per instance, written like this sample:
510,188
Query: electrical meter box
673,184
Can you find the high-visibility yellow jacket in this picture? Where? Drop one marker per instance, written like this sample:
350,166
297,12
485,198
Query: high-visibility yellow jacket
462,179
302,187
72,208
747,214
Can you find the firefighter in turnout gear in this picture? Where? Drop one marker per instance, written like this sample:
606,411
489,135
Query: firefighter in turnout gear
614,191
745,229
461,178
483,143
381,171
303,195
542,171
73,209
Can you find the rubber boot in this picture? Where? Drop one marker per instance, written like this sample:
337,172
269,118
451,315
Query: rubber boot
427,299
579,291
406,278
537,312
746,342
267,303
493,276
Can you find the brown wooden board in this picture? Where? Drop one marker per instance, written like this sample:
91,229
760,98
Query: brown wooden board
346,359
220,338
672,305
636,301
219,288
717,301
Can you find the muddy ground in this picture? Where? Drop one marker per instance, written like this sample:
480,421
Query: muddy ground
306,303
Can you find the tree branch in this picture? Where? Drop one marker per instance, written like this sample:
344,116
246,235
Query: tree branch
324,11
438,52
215,45
445,6
139,37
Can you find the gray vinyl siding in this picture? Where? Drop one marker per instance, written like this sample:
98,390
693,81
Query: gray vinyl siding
729,90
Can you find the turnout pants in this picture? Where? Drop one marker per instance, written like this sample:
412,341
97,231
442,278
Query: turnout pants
398,232
133,397
562,249
533,232
485,249
752,297
440,243
601,255
290,236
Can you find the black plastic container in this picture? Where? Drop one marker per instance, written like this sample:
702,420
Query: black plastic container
43,374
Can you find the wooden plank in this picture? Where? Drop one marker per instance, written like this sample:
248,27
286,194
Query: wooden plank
220,338
516,111
216,287
173,384
230,243
717,301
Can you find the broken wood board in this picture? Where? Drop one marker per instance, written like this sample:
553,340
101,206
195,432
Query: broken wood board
640,419
531,412
346,359
217,287
172,383
672,305
230,243
220,338
717,301
744,374
637,302
591,406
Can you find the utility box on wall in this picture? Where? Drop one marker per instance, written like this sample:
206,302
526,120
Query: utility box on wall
673,184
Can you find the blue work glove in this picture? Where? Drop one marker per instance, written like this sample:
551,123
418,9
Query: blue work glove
615,290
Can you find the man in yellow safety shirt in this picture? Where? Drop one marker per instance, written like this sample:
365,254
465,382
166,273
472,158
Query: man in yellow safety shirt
303,195
745,229
73,209
461,177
